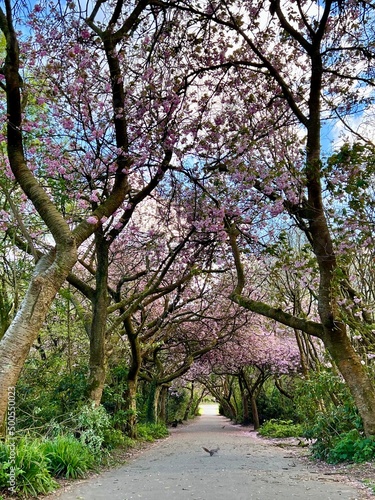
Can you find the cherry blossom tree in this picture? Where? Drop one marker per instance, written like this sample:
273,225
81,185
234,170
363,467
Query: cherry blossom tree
196,328
277,73
83,164
255,353
232,97
149,283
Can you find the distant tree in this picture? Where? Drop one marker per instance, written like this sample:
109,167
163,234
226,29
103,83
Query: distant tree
254,354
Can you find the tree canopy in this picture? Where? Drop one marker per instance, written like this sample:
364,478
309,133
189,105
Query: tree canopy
165,170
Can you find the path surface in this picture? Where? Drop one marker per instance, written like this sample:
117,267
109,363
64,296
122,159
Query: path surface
244,468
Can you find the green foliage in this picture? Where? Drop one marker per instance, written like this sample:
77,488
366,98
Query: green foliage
280,429
38,461
273,405
113,438
67,457
325,405
150,401
115,388
121,417
177,404
150,432
329,425
32,476
351,158
70,389
330,417
92,426
54,378
349,447
47,392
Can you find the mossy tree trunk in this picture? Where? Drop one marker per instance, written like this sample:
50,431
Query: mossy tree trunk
162,406
130,395
97,360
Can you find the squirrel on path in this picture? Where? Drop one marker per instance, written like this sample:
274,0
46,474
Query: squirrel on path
211,452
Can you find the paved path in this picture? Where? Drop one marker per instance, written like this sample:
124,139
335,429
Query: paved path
245,468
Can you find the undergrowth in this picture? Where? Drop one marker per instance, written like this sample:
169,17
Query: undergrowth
32,464
280,429
351,446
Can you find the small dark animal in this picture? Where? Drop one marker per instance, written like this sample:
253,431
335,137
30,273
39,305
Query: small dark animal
211,452
176,422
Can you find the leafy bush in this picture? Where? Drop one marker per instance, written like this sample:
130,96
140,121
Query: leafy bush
67,457
150,432
115,388
330,416
325,406
348,447
37,461
5,465
128,442
92,426
274,405
327,412
113,438
280,428
46,391
177,404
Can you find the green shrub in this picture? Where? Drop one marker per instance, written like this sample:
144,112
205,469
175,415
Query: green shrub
150,432
46,392
113,438
67,457
177,402
92,424
5,465
116,387
328,413
348,447
325,406
364,450
274,405
280,429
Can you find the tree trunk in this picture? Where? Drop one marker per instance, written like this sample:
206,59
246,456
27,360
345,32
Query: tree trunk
131,408
97,362
49,275
154,403
190,403
198,402
162,406
254,411
308,356
5,309
229,409
133,375
245,402
355,375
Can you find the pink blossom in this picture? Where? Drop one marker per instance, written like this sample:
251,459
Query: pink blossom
94,197
92,219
